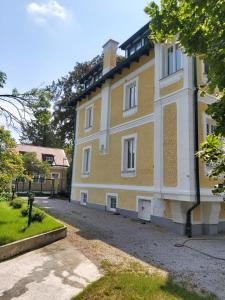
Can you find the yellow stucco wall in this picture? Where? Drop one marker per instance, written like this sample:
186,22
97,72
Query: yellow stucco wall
107,168
145,99
171,88
222,211
126,199
96,119
170,145
168,209
205,181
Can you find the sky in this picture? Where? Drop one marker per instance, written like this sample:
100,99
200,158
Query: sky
41,40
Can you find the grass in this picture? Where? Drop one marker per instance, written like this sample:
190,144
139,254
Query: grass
13,226
136,284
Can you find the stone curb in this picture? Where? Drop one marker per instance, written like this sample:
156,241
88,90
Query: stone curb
19,247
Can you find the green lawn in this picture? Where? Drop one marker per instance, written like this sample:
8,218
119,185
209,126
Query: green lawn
134,286
13,226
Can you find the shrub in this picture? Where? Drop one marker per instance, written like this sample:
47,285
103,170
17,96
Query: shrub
5,196
16,204
24,212
37,216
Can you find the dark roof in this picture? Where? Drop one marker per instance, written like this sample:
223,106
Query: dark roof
96,68
111,74
135,36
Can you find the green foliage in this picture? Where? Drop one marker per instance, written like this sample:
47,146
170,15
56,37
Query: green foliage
13,226
17,203
37,214
2,79
5,196
132,286
11,164
33,165
200,31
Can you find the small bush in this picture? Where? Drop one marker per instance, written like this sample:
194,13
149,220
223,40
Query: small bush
37,216
24,212
5,196
16,204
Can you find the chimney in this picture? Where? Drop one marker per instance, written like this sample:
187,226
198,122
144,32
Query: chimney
109,53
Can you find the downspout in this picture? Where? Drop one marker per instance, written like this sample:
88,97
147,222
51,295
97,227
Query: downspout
73,152
196,149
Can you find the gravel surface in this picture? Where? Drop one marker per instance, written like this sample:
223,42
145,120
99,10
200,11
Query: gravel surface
102,235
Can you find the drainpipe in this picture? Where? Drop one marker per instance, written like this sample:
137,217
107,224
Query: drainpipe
74,137
196,149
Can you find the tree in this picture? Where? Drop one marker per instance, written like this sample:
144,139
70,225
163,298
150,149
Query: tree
34,166
200,31
11,164
39,130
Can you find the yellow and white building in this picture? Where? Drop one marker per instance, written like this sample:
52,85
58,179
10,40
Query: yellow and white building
135,129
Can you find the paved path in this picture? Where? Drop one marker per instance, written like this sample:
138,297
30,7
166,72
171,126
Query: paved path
56,272
149,243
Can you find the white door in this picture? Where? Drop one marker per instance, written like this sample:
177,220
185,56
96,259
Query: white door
111,203
144,209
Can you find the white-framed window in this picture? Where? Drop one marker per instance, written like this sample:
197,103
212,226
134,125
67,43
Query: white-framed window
173,60
38,178
112,202
55,175
205,70
89,118
130,97
128,165
86,162
83,197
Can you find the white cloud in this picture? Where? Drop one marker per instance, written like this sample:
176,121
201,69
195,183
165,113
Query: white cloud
52,9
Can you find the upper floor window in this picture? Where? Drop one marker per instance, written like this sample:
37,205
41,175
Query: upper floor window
129,155
173,59
48,157
130,98
89,117
86,161
136,46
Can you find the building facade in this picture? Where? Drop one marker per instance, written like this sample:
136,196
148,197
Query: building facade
56,181
135,129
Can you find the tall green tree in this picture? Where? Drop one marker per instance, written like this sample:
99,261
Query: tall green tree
200,30
11,164
39,130
32,165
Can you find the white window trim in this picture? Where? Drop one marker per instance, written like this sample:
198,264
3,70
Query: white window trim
55,173
81,202
204,75
87,129
133,110
107,203
164,71
86,174
132,172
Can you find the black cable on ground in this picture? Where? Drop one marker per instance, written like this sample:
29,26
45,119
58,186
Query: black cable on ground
199,251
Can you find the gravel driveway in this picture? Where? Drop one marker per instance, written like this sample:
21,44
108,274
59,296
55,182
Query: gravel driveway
146,242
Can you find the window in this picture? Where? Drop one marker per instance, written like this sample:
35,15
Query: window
210,128
178,58
86,161
130,98
83,197
173,60
170,60
89,117
55,175
129,155
38,178
48,157
111,202
205,68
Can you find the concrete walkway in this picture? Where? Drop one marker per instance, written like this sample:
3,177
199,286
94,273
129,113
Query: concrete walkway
58,271
148,243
